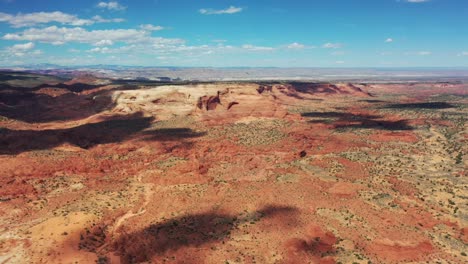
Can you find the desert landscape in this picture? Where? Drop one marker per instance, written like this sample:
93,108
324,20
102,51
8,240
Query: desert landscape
99,170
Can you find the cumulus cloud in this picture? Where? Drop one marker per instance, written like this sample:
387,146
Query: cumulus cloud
99,19
296,45
104,42
31,19
100,50
256,48
163,49
112,5
22,47
60,35
150,27
38,18
21,50
229,10
388,40
36,52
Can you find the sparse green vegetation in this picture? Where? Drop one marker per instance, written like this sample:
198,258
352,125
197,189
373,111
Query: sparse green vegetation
255,133
458,158
218,196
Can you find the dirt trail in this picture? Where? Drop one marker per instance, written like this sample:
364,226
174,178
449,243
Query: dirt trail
148,193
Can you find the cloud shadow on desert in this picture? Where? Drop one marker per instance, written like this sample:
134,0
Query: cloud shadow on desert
346,121
425,105
70,102
113,129
32,107
193,230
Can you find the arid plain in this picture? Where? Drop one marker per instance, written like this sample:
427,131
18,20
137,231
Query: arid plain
232,172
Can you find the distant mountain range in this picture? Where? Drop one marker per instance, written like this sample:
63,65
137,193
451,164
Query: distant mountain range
252,74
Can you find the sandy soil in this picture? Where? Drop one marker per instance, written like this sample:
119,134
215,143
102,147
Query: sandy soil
234,173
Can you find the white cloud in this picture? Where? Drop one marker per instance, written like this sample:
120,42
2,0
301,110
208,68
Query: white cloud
339,62
150,27
99,19
229,10
424,53
388,40
256,48
296,45
99,50
332,45
37,52
112,5
38,18
31,19
22,47
21,50
164,49
104,42
463,53
61,35
418,53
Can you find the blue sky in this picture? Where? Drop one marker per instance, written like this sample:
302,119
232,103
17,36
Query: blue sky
227,33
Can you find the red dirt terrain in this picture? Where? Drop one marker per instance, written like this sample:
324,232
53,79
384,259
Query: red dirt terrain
94,172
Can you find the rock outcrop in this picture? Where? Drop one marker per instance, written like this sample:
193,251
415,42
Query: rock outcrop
209,102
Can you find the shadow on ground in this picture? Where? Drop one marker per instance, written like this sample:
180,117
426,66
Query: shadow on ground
372,101
75,88
416,106
170,134
342,120
21,77
324,88
192,230
111,130
31,107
